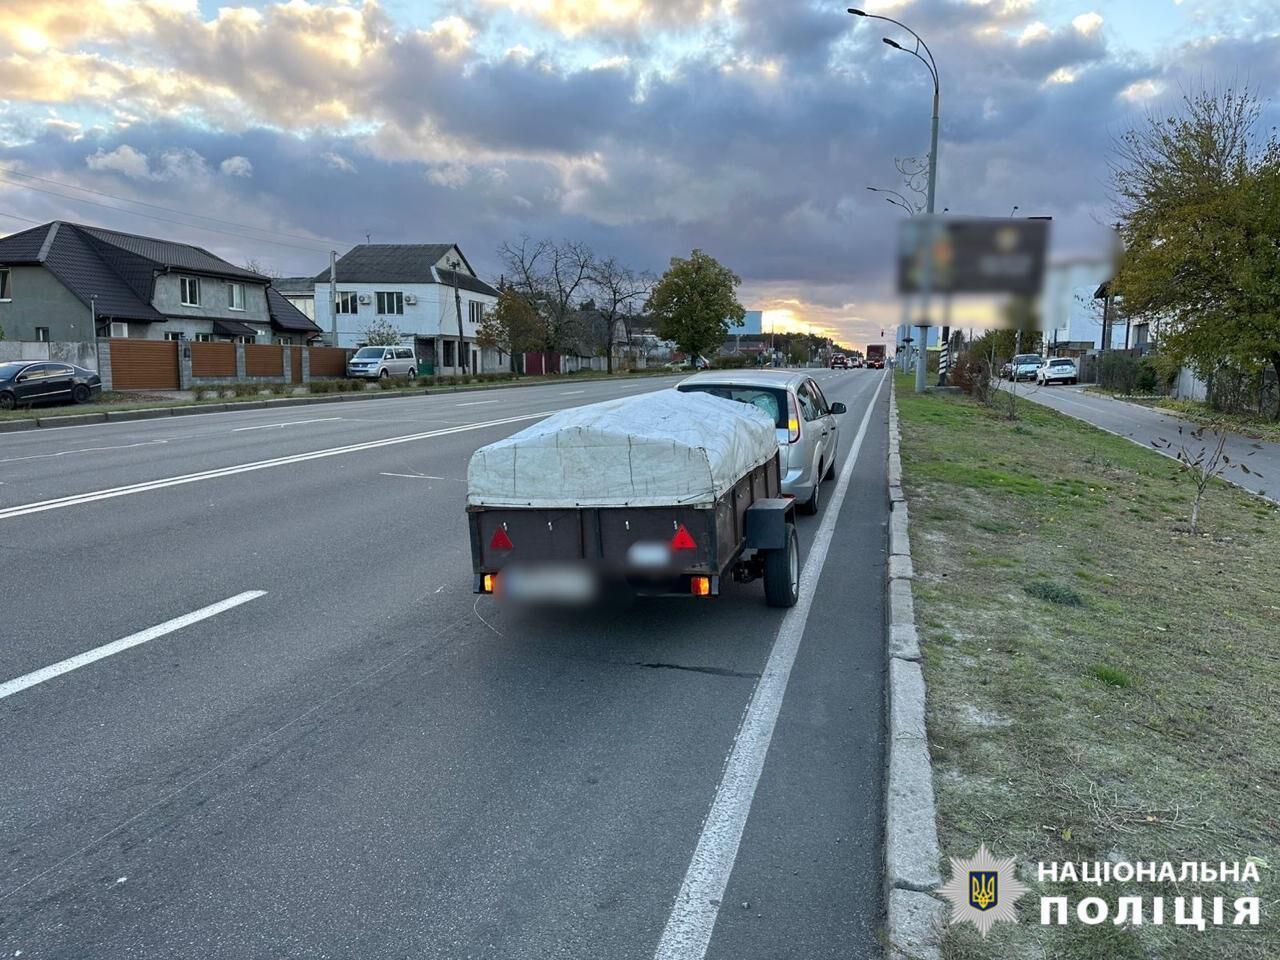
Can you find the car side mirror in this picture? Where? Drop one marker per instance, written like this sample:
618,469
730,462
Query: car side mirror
839,407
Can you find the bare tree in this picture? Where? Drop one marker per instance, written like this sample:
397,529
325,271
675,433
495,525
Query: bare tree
1202,460
617,288
552,276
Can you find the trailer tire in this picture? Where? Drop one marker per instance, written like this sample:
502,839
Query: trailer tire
782,571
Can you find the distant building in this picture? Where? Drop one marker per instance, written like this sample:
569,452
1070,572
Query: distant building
299,291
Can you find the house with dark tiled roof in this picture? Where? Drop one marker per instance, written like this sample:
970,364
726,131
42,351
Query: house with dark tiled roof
70,282
420,289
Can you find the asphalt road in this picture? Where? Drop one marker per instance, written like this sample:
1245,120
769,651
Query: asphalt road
340,751
1143,424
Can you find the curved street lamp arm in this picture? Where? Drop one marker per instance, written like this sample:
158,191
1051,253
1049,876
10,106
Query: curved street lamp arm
930,64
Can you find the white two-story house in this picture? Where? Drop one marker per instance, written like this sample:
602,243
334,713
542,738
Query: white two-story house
417,288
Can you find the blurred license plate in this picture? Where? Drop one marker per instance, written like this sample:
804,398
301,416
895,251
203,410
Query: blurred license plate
549,583
649,556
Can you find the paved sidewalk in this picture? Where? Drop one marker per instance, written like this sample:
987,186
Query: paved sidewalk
1142,424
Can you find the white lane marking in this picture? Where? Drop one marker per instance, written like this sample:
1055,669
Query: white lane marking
290,423
474,403
412,476
76,499
18,684
693,915
67,453
571,393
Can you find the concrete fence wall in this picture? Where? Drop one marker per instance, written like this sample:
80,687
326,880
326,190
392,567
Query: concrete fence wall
81,354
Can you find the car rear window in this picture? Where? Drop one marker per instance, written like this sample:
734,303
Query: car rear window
771,401
1061,363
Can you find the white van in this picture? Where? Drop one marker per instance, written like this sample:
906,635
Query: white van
375,362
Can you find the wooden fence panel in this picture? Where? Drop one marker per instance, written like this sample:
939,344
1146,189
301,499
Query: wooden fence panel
295,364
328,362
263,360
144,364
213,360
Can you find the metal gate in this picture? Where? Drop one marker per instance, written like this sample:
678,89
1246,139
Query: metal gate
144,364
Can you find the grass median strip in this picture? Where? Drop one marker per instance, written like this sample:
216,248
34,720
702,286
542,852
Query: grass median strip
1102,684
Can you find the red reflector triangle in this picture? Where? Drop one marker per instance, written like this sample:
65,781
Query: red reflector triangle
682,540
500,540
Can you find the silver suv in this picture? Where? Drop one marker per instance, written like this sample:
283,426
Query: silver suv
808,434
375,362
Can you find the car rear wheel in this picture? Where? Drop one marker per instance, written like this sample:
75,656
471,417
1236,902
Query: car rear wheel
80,393
782,571
810,506
7,401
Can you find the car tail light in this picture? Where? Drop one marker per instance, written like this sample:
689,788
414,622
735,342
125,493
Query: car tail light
700,586
793,419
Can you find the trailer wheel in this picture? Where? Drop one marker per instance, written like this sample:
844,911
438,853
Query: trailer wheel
782,571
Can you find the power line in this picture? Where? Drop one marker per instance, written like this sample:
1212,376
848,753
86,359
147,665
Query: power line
157,206
152,216
14,216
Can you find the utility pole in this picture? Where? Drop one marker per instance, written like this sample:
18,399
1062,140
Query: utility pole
333,298
457,306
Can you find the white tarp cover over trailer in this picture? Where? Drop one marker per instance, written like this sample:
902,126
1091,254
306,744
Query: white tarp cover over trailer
653,450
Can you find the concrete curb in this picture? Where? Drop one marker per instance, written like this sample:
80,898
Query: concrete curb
915,918
149,413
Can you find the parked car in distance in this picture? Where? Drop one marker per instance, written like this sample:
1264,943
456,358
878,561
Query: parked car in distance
1057,370
808,433
839,362
375,362
26,382
1024,366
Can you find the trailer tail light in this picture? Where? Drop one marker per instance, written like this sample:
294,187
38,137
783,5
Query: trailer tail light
793,419
700,586
500,540
682,540
489,583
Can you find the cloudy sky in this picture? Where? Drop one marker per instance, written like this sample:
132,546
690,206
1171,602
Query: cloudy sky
749,128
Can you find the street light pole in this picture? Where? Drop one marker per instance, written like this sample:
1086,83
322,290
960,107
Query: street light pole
927,280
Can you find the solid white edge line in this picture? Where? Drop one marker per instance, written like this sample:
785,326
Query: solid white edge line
79,498
693,915
18,684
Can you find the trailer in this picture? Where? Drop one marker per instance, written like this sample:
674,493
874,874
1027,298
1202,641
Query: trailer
666,493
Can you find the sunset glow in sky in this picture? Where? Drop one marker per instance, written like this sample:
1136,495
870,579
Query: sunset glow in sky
749,128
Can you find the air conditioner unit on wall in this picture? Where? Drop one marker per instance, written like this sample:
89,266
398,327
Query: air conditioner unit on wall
410,299
364,298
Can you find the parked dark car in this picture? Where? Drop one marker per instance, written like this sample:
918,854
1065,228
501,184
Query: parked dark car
27,382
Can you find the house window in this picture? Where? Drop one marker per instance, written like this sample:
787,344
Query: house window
119,329
42,334
283,341
448,353
348,302
5,292
235,296
189,287
476,309
204,338
174,335
390,302
246,339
